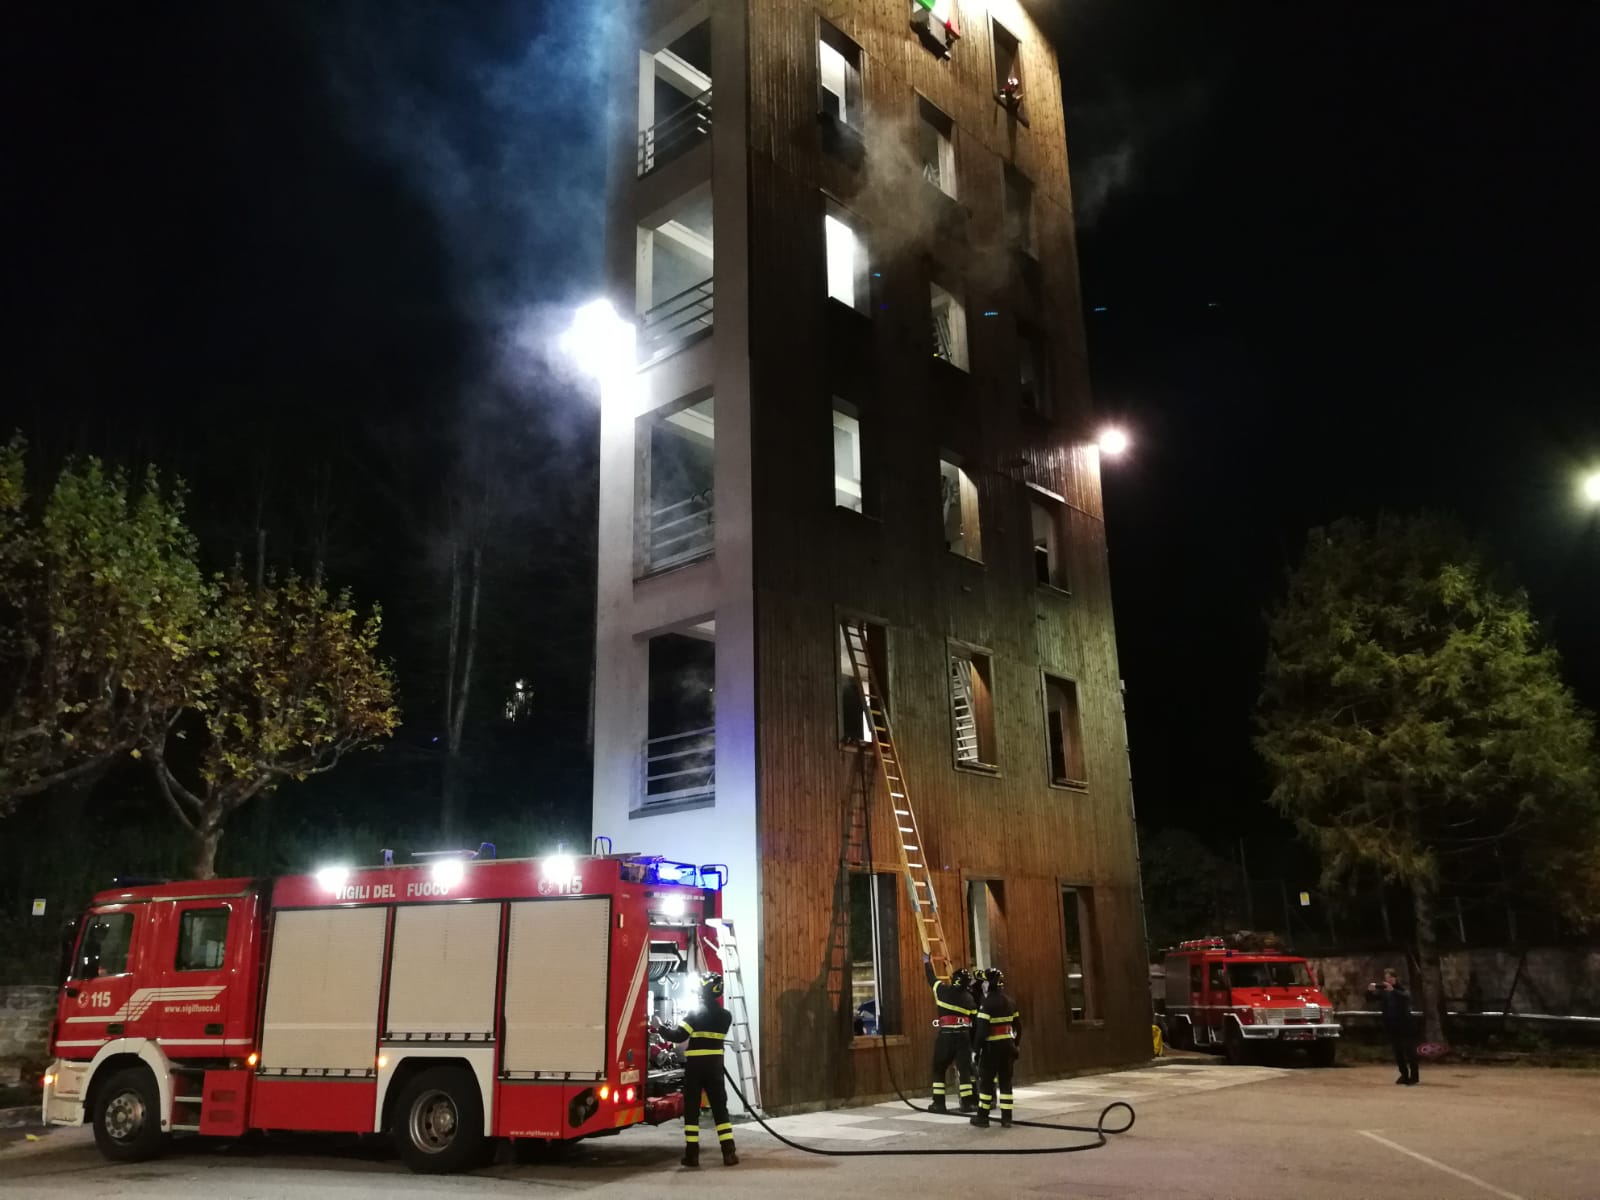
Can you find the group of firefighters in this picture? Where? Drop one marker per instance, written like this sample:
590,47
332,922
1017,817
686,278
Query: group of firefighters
977,1022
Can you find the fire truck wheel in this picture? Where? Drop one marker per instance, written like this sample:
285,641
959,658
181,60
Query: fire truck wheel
1323,1052
127,1116
438,1121
1234,1048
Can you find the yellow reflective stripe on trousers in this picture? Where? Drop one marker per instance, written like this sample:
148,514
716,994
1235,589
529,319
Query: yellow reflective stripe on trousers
703,1053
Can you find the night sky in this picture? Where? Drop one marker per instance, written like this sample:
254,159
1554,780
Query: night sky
1339,259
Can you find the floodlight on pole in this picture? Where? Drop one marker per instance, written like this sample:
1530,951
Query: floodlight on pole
1591,487
1113,441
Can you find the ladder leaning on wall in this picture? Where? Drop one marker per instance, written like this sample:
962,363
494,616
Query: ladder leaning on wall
726,948
913,853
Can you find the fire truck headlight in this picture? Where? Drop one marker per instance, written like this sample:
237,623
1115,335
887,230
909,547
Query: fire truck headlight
252,1059
49,1079
559,866
447,872
333,878
672,906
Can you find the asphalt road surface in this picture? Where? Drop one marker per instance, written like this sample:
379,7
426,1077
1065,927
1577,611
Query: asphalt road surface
1204,1130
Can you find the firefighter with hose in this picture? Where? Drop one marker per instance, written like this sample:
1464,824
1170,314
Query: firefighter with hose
997,1029
953,1011
705,1030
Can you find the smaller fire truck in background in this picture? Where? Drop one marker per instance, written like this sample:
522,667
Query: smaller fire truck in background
1242,992
443,1003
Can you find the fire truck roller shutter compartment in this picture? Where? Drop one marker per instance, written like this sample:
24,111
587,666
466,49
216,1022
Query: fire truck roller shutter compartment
322,990
441,976
556,987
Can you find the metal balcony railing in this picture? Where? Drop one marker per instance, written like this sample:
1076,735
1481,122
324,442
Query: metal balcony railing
675,134
676,321
679,533
680,766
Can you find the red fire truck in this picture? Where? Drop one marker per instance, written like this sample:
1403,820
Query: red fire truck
1244,992
444,1003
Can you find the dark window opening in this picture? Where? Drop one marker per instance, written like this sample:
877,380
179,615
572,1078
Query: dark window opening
675,486
680,741
1033,371
1049,560
1008,81
1077,916
1064,728
1019,210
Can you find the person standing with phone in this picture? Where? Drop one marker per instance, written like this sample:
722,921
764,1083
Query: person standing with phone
1395,1003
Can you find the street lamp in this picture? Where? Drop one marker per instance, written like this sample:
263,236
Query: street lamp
1591,487
1113,441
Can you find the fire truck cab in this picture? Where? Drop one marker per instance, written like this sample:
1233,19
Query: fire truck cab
444,1003
1244,991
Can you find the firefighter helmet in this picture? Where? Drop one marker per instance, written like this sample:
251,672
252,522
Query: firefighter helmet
996,977
711,986
962,978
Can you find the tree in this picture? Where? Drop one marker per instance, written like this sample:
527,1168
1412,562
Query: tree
1189,890
290,682
100,601
1413,722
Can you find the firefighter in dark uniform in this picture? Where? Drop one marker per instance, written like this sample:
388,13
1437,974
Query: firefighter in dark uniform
953,1010
706,1030
997,1030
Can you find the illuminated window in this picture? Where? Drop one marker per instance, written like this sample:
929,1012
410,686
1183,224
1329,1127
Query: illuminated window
875,953
936,144
972,707
1064,732
855,720
949,327
958,496
839,72
846,258
847,478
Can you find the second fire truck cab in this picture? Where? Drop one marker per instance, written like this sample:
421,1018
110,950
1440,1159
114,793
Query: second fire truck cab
1240,992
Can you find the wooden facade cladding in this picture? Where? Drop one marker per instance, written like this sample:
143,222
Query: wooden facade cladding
815,561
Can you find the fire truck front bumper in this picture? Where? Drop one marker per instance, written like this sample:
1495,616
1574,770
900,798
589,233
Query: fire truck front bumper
64,1093
1290,1033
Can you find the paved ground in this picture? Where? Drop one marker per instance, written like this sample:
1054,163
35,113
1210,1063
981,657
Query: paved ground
1204,1130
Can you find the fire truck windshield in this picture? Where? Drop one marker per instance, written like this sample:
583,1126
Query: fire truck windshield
1268,974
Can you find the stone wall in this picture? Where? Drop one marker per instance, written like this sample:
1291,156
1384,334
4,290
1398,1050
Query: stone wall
25,1014
1559,981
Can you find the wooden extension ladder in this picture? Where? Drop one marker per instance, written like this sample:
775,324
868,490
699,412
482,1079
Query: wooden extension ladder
726,948
913,852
